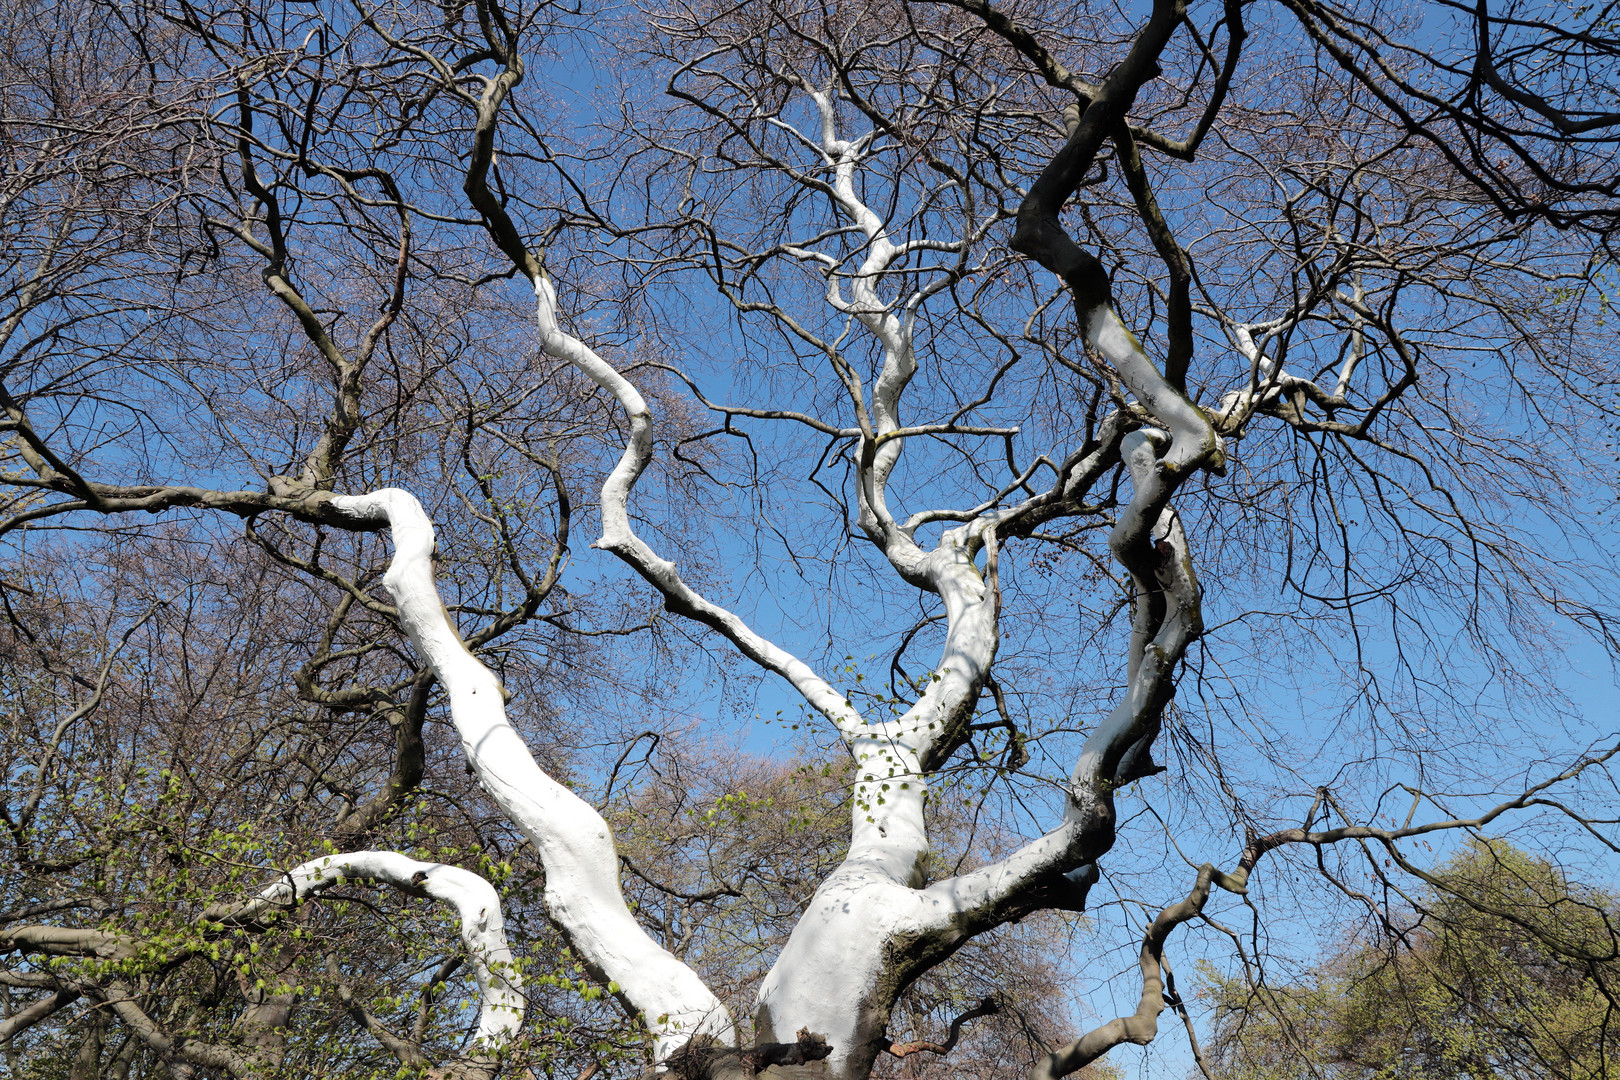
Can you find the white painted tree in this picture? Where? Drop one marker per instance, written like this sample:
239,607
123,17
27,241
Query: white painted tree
920,156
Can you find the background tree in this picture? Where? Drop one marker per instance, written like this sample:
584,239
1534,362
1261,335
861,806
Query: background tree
1504,968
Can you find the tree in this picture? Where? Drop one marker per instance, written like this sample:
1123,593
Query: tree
1501,939
723,852
1338,292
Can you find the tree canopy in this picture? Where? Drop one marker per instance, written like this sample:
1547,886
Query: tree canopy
1149,469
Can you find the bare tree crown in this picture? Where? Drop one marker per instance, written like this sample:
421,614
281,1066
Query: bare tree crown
1209,419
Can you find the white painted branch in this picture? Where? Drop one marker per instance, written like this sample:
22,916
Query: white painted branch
620,538
1193,442
1268,380
893,333
891,758
971,610
842,965
575,844
483,932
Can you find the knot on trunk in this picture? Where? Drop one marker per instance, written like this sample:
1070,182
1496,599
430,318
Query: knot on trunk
703,1058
